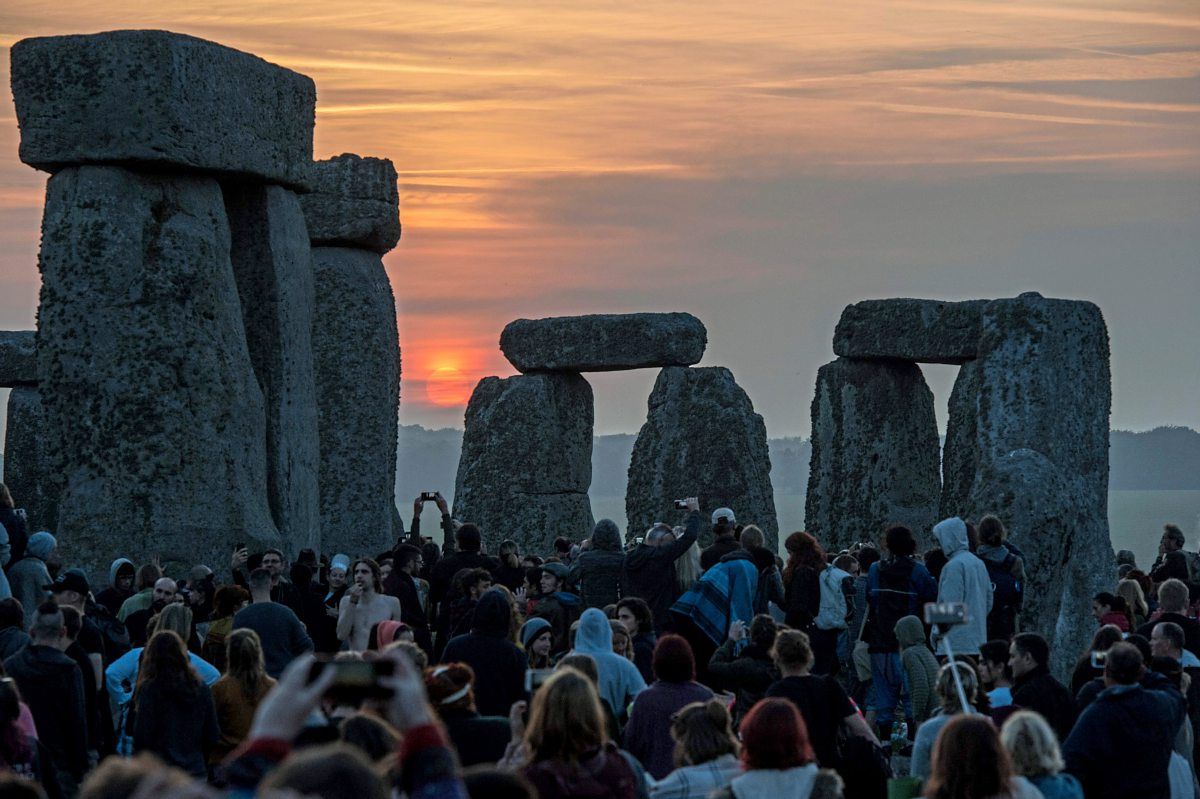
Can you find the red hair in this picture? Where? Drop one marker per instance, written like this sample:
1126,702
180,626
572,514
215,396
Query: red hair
673,659
774,736
803,552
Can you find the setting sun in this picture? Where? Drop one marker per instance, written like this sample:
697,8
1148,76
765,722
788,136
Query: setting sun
448,387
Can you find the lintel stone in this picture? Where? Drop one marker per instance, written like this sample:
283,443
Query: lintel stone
926,331
18,358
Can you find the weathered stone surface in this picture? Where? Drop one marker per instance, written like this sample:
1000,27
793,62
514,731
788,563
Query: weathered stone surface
18,358
604,342
701,438
874,452
526,460
354,203
25,470
154,419
930,331
272,263
356,360
161,99
960,453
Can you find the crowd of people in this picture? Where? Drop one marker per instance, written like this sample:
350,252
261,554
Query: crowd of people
649,667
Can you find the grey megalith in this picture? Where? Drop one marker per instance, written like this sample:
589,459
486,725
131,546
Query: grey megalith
354,203
272,263
18,358
161,100
701,438
154,419
926,331
960,453
875,453
526,461
604,342
25,472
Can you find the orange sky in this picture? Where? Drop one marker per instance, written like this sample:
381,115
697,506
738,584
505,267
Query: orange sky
758,166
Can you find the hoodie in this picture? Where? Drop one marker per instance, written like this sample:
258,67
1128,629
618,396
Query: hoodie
29,576
964,579
111,597
620,681
597,571
920,667
498,664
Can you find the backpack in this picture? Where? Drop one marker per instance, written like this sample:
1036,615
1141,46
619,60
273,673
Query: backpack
833,609
895,598
1007,591
112,630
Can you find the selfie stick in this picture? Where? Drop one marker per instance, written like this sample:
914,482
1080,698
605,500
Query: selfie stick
962,695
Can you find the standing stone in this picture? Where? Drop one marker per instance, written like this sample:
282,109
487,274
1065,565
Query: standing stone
701,438
154,419
875,453
272,263
144,98
604,342
18,358
926,331
354,203
356,360
25,472
960,453
526,460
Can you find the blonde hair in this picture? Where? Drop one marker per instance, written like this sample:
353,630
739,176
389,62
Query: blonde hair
1032,745
687,567
176,617
1135,599
948,691
752,536
566,720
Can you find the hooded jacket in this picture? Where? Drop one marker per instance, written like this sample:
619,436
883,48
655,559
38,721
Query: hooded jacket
620,680
498,664
964,579
52,686
29,576
597,571
650,572
110,597
920,666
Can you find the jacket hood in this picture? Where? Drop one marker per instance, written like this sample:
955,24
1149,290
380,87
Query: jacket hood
492,615
738,554
952,535
116,567
910,632
594,634
40,545
606,536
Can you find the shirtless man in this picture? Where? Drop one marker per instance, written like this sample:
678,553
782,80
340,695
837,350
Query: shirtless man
364,606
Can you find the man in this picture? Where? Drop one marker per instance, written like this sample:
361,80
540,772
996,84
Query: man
364,606
597,569
724,541
1172,561
165,592
468,556
1167,641
1034,688
283,636
282,590
402,584
51,684
1122,744
964,579
73,624
71,590
1173,601
147,576
649,570
29,576
120,585
557,605
455,616
498,664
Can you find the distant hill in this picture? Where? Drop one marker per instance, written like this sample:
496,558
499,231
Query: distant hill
1165,458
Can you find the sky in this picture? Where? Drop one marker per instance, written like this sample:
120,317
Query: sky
759,165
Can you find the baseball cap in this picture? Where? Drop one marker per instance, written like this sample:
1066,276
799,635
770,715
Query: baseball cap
70,580
723,513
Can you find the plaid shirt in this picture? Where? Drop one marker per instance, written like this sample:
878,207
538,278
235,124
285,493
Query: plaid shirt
696,782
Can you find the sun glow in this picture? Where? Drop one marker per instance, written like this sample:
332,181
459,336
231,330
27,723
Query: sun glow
448,387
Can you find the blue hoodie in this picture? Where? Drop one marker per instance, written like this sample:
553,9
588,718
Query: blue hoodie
620,680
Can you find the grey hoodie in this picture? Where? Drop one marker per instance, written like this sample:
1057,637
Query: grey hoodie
964,579
620,680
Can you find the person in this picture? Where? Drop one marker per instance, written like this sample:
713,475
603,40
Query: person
1085,671
557,605
1035,755
405,585
1172,561
147,575
21,753
536,639
897,586
364,606
650,565
778,758
564,751
476,738
706,753
619,679
949,705
687,565
724,527
634,613
29,576
770,579
120,585
836,597
1173,602
91,675
1006,569
920,668
173,711
1103,752
227,601
801,580
597,570
280,632
509,573
1135,602
1035,688
994,675
51,684
166,591
722,595
648,733
459,604
1110,610
469,541
969,761
13,637
239,692
750,671
283,591
324,634
1167,641
15,522
964,579
622,641
497,663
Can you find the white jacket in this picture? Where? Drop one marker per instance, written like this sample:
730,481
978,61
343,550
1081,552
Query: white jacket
964,579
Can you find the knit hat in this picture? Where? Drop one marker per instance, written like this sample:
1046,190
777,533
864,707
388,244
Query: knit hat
557,569
723,513
340,561
40,545
532,629
385,633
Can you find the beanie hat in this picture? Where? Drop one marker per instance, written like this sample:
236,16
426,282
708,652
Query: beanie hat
40,545
532,629
340,561
557,569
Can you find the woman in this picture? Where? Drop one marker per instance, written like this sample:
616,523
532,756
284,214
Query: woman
1035,755
20,751
510,573
537,636
687,565
16,525
648,733
748,671
705,753
238,693
1110,609
564,752
801,580
478,739
951,705
778,758
634,613
770,581
1084,671
970,763
517,617
228,600
173,712
324,633
1135,602
622,642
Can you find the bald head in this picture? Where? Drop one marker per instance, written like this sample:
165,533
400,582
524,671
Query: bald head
164,591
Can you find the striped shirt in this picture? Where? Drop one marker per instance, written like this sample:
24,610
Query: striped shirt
696,782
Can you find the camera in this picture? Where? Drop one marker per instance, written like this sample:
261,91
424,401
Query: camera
429,496
945,614
534,678
355,680
1099,659
681,504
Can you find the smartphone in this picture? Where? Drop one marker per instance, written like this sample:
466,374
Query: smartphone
1099,660
429,496
681,504
534,679
946,614
355,680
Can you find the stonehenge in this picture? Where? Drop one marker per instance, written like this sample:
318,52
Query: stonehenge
171,406
604,342
1026,440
